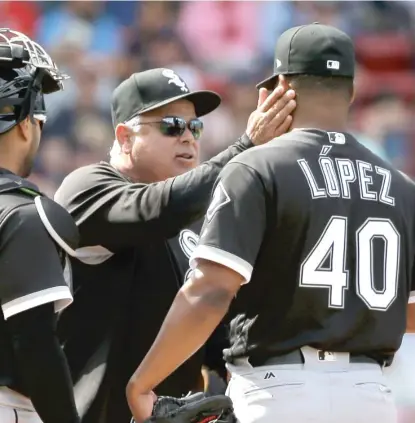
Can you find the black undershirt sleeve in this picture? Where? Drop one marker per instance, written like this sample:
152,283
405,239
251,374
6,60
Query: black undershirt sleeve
43,371
32,290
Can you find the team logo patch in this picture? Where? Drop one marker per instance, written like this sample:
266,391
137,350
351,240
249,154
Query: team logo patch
333,64
336,137
269,375
175,79
326,356
188,241
219,199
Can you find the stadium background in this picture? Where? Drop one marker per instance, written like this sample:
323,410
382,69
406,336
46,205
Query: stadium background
227,47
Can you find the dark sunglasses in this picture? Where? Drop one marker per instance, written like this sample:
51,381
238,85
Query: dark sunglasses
173,126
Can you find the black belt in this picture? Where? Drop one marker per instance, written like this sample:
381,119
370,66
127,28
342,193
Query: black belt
296,357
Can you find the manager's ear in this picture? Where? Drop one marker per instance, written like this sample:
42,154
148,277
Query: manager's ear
125,138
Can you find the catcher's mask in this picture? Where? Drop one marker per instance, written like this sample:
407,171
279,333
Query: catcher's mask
27,72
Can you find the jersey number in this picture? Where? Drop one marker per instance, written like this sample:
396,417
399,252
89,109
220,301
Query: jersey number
332,247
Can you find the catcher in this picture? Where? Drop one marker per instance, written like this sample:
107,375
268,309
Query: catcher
196,408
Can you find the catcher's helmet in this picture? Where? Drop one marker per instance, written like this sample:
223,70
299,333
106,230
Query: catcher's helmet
27,72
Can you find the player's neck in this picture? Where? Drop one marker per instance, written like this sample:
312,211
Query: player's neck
12,158
313,116
9,163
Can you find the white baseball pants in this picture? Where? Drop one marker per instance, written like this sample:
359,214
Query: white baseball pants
328,391
16,408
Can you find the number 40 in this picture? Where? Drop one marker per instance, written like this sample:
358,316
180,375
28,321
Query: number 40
333,242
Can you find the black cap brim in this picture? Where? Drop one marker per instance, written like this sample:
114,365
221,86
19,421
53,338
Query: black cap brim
268,83
204,101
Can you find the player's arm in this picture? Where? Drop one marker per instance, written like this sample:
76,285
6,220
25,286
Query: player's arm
410,320
410,317
113,212
33,290
214,370
222,262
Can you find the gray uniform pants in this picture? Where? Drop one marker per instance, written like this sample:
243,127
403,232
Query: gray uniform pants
330,390
15,408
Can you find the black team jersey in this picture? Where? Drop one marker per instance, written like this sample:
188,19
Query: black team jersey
136,240
322,230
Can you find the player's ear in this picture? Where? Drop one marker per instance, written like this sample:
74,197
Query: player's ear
25,128
124,137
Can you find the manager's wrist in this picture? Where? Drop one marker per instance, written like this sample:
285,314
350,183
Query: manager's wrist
245,142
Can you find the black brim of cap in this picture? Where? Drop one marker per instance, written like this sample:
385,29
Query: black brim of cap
268,83
204,101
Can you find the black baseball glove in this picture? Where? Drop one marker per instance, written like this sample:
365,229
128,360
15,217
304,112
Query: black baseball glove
196,408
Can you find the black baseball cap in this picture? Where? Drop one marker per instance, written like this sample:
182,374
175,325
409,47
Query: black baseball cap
313,49
150,89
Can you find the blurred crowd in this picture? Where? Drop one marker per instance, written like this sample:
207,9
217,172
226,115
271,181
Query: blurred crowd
224,46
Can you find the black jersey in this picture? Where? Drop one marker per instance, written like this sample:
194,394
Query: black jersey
31,264
34,270
136,240
322,230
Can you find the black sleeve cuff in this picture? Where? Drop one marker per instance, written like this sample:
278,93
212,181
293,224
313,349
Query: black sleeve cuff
245,142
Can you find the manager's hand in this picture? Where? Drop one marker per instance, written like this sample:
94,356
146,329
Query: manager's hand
272,117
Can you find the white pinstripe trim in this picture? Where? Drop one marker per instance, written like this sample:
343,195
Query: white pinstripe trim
411,297
60,295
222,257
57,238
88,255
